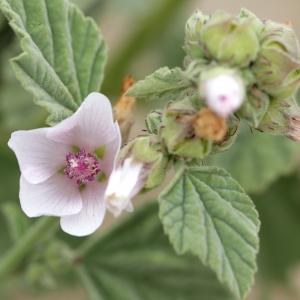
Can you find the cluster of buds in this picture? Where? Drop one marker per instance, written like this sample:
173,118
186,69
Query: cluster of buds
250,68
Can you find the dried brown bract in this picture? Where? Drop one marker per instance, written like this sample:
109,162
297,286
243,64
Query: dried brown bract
209,125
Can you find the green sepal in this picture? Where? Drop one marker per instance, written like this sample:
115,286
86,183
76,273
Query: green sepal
280,36
255,107
148,150
277,72
153,121
247,15
192,45
230,40
282,118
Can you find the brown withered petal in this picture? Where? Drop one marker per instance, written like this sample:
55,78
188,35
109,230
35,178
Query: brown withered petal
123,110
209,125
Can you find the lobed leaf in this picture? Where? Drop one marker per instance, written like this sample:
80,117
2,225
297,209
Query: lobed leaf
63,54
205,212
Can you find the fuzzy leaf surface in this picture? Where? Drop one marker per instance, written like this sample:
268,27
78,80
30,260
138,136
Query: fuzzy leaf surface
205,212
163,84
63,54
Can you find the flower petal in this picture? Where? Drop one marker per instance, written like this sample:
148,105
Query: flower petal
90,127
124,183
89,219
57,196
39,157
111,150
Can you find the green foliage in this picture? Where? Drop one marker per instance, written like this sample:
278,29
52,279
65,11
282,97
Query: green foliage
163,84
279,210
63,53
17,222
9,175
5,241
205,212
257,159
136,261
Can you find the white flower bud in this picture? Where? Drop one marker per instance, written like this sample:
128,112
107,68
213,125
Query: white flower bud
224,94
125,182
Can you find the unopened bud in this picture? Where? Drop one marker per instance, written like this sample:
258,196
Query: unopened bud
177,132
277,68
230,39
224,92
124,183
282,118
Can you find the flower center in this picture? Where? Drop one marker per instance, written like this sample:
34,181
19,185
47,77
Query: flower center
83,167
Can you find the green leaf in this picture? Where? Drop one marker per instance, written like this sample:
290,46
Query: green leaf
163,84
135,261
205,212
63,53
279,210
257,159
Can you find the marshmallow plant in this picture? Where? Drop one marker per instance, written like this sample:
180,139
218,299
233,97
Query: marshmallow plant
237,69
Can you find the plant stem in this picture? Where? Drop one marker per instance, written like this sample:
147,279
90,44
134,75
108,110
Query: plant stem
149,29
15,256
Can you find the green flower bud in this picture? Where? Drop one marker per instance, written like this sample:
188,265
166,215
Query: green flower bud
282,118
177,132
153,122
148,151
257,24
277,68
230,39
193,28
255,107
280,36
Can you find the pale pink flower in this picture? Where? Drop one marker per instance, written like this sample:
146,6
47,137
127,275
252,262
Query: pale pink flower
65,168
224,94
125,182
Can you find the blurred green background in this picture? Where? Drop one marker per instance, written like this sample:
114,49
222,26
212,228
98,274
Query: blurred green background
142,36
